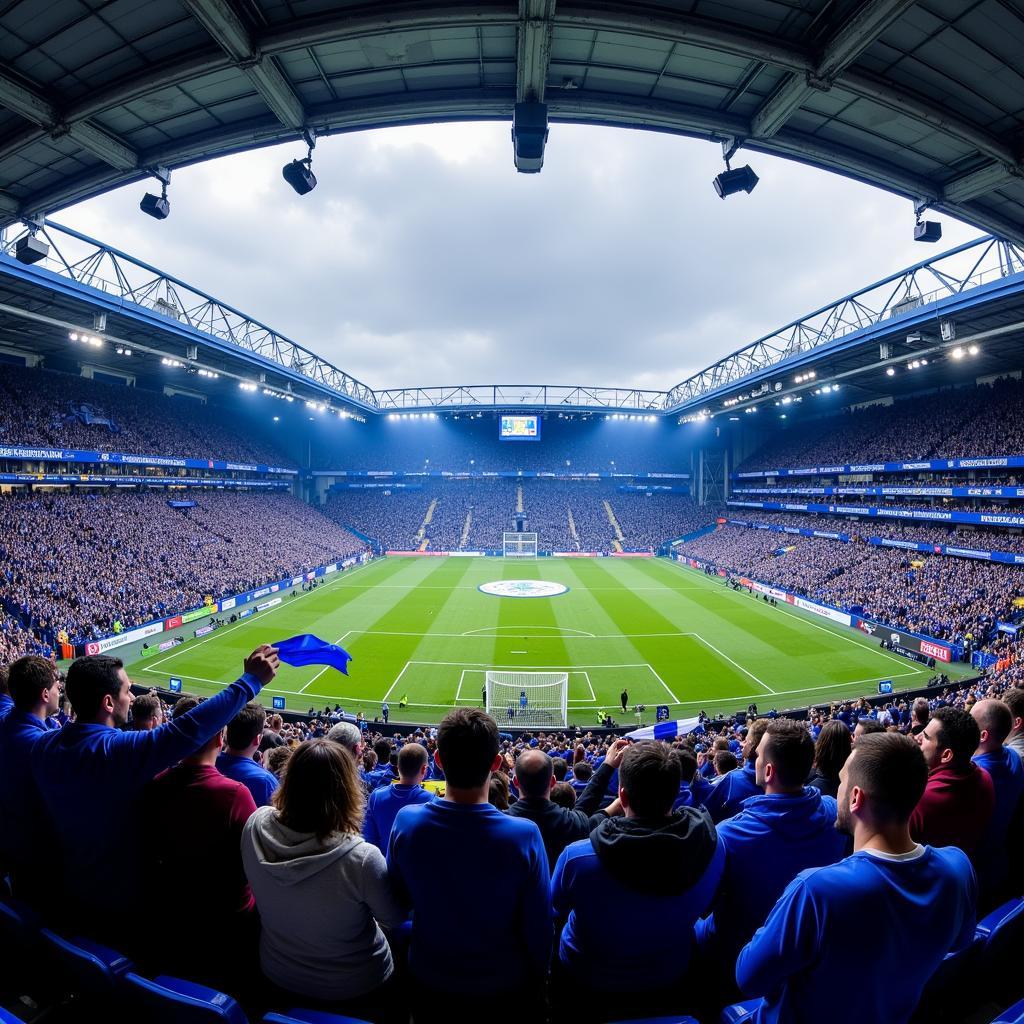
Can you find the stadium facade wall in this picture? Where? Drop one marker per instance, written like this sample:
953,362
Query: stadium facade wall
872,512
944,465
120,458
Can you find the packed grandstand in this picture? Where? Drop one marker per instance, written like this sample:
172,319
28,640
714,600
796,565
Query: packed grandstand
495,703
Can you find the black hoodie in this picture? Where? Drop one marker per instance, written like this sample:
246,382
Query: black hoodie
663,855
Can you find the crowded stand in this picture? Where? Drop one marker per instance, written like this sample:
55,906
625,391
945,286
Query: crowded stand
471,515
965,422
954,599
143,558
41,408
775,843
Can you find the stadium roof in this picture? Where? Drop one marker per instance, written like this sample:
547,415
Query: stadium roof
922,98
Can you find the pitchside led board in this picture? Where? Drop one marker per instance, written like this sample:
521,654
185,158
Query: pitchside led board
279,703
519,428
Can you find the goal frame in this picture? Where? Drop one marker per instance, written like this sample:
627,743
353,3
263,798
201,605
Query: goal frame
519,545
536,714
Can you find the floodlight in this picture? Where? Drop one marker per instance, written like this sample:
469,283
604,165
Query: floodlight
157,207
972,350
927,231
890,372
729,182
529,135
299,173
30,249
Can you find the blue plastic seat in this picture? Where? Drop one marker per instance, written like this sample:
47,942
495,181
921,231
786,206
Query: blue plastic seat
1014,1015
6,1017
739,1012
948,995
1001,938
89,968
22,945
166,1000
310,1017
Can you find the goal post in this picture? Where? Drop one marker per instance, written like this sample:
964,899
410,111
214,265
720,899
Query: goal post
519,545
528,700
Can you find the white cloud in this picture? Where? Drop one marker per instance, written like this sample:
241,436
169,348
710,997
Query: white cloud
423,258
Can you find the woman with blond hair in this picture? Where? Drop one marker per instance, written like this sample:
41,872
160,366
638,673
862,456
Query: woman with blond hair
321,890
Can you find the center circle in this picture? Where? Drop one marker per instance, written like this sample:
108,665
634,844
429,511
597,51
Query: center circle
523,588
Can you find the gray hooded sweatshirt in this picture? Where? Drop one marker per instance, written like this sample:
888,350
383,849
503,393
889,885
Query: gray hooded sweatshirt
319,903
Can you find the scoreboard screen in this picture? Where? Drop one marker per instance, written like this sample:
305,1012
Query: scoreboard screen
519,428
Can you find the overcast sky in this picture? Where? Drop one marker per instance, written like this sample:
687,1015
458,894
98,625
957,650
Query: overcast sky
423,258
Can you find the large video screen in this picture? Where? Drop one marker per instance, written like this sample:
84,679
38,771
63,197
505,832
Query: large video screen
519,428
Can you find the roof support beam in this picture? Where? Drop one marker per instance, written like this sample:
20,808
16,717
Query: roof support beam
34,107
978,183
533,51
228,30
871,19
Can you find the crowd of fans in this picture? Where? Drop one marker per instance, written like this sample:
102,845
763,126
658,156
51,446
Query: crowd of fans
37,409
79,566
983,538
566,515
956,423
955,599
381,873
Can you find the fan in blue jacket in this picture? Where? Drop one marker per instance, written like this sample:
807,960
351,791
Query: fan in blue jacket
772,839
386,801
90,773
893,901
727,795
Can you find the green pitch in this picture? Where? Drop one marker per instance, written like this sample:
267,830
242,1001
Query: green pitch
420,627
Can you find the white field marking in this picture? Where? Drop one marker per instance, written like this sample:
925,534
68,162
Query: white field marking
663,683
395,683
525,636
325,668
516,629
523,668
590,687
187,647
817,625
518,652
570,700
736,664
458,690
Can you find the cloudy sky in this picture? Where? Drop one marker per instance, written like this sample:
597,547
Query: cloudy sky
422,258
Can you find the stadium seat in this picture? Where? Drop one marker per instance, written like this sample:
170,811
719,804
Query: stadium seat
89,968
310,1017
21,942
947,995
739,1012
1001,937
1014,1015
6,1017
166,1000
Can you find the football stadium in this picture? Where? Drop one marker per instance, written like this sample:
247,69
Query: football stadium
688,694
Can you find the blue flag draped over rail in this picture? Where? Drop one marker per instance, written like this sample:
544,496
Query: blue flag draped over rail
307,649
666,730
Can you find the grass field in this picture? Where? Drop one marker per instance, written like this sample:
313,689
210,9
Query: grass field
421,626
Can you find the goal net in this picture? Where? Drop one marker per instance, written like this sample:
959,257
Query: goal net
528,700
519,545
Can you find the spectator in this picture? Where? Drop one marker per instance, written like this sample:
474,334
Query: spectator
534,778
831,750
657,869
90,776
462,844
498,791
386,772
693,790
892,902
769,842
147,712
386,801
191,821
563,795
958,802
322,890
26,844
272,734
725,761
349,736
277,760
727,796
1014,698
865,727
244,733
1004,768
920,713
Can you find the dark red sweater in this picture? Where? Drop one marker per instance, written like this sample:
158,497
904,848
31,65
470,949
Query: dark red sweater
955,809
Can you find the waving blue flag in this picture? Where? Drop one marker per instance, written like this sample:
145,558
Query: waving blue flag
666,730
307,649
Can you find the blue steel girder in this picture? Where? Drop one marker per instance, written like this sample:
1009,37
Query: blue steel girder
92,265
949,274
